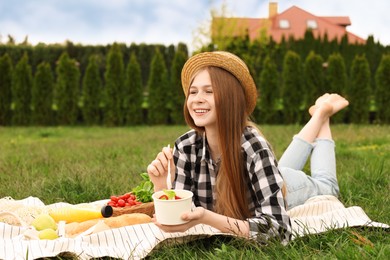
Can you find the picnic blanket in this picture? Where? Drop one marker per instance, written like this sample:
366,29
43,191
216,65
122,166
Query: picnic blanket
317,215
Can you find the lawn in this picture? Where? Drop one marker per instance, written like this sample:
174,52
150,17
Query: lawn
82,164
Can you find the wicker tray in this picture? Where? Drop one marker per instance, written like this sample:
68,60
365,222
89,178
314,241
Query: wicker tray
146,208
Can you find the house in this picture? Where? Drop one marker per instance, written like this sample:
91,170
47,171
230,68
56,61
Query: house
293,22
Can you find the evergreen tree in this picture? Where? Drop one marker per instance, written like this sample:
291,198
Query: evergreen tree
183,48
178,98
42,95
92,91
159,96
115,78
346,51
134,92
326,47
170,55
277,52
359,91
336,81
313,77
269,92
336,75
373,52
145,56
382,93
308,43
293,92
67,90
21,92
5,89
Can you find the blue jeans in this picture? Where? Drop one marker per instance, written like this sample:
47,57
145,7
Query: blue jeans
323,180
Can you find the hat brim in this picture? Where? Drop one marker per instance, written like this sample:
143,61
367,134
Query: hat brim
227,61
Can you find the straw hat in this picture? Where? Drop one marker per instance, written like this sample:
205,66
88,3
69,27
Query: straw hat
227,61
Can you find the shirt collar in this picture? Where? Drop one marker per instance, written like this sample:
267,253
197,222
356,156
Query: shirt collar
206,154
204,147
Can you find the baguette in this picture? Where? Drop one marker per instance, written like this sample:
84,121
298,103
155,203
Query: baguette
76,228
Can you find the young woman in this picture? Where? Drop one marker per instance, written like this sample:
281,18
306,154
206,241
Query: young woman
224,160
227,163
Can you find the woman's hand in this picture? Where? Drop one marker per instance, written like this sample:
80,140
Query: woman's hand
201,215
193,217
158,169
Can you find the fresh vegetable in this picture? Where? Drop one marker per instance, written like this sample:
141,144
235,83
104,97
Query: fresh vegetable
125,200
163,197
144,190
169,195
139,194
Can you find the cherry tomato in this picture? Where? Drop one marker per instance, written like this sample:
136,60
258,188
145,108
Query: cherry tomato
125,196
125,200
112,203
177,197
163,197
121,203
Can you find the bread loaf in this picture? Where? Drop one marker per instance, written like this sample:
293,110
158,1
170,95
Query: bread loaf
75,228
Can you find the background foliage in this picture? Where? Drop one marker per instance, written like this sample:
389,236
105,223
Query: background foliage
120,90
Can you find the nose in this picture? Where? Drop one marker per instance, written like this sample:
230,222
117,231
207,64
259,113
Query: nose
199,97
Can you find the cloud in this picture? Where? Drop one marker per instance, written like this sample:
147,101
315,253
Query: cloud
161,21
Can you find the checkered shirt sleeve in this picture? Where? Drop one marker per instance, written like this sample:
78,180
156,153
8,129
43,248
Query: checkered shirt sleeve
265,189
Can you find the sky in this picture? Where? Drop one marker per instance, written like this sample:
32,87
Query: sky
101,22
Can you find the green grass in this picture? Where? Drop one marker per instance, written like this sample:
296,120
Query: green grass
83,164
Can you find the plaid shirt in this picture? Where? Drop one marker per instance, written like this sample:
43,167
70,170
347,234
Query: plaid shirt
196,171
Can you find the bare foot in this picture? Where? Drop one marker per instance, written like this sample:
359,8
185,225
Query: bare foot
318,103
335,101
322,99
325,110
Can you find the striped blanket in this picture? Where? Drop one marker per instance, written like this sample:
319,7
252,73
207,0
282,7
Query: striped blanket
317,215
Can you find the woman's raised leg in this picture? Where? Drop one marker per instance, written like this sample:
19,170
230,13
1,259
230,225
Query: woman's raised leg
297,153
315,138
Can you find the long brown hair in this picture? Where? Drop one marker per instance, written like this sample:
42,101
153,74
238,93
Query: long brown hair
231,183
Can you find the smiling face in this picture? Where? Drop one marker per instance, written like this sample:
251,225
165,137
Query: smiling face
200,101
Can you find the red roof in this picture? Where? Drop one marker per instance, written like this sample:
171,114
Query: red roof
292,22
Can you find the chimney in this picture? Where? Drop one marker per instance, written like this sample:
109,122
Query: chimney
272,8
